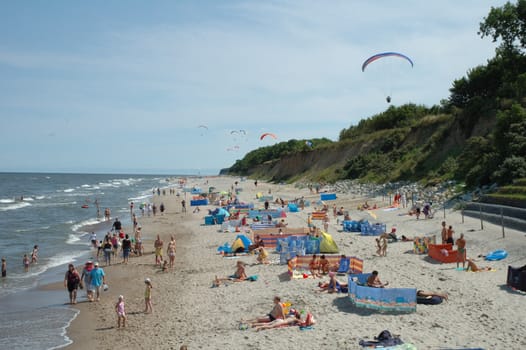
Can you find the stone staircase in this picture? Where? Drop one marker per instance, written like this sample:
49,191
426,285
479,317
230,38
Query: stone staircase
511,217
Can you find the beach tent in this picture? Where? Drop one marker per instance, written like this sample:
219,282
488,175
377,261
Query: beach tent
241,241
327,244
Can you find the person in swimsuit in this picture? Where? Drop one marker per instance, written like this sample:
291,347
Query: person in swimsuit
121,314
374,281
474,268
277,312
158,245
170,251
333,286
239,276
314,266
148,296
461,251
429,294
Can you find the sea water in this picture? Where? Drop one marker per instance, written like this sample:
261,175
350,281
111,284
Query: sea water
47,210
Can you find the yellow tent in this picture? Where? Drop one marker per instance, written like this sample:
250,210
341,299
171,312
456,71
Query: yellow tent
327,244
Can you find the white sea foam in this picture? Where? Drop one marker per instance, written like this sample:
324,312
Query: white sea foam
28,199
15,206
77,226
139,198
40,197
7,200
72,239
69,190
85,186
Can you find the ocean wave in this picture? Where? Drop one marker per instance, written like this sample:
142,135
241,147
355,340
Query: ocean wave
40,197
72,239
28,199
81,224
6,200
85,186
69,190
62,259
15,206
139,198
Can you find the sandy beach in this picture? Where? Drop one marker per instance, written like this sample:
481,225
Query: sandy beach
481,311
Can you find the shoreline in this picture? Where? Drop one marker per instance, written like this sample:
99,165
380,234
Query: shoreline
188,311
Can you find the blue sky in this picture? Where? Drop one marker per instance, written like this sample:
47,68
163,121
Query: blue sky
122,86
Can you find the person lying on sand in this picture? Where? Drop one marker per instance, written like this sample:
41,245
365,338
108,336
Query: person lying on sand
429,294
238,276
474,268
276,313
294,319
333,286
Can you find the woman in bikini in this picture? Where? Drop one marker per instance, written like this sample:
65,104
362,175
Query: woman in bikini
170,251
314,266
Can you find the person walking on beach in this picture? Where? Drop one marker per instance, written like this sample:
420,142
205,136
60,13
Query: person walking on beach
121,313
161,208
461,251
93,239
86,277
117,225
148,308
158,245
170,251
108,251
98,279
71,282
4,268
126,249
183,206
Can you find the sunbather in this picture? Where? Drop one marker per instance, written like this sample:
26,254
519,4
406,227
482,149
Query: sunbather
333,286
314,266
277,312
430,294
294,319
474,268
374,281
238,276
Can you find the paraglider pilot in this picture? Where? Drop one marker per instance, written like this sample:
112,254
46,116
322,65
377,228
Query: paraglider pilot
388,99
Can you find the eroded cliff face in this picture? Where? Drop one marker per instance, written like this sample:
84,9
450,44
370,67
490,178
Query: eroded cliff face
432,142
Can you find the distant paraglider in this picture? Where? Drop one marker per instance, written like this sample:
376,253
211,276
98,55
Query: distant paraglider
267,134
203,128
382,55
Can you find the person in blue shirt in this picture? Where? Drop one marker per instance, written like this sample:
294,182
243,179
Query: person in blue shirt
98,279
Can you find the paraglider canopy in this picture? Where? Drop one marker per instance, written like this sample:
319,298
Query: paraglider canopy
382,55
267,134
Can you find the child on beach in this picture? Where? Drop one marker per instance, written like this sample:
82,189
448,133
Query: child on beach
121,314
25,261
148,296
